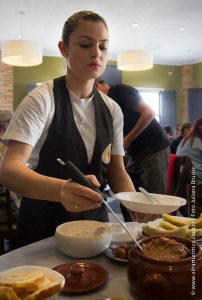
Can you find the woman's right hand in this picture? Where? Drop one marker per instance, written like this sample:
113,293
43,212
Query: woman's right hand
77,198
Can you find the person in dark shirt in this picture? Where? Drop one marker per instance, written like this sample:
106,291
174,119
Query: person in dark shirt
177,131
144,139
169,133
184,132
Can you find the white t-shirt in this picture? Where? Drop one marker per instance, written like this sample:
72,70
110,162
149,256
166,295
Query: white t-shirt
32,119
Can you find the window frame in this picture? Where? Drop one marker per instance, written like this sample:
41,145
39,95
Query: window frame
142,91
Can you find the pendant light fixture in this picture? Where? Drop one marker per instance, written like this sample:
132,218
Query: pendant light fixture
21,52
135,60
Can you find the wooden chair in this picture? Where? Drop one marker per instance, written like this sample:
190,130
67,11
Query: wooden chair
194,200
169,183
7,226
181,176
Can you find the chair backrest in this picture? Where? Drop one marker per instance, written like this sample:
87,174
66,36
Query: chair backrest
194,200
181,177
169,183
7,226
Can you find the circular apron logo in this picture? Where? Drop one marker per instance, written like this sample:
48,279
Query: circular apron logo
107,154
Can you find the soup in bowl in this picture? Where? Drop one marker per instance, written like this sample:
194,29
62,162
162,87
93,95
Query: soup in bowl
83,239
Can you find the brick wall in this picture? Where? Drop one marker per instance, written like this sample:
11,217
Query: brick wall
6,87
186,83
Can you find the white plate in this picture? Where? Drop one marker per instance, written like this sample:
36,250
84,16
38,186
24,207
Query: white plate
110,252
55,276
138,202
120,235
158,221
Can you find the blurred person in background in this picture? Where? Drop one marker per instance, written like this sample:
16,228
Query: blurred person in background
184,132
169,133
192,146
144,140
177,131
5,117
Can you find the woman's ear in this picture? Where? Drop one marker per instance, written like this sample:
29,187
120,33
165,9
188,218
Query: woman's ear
62,48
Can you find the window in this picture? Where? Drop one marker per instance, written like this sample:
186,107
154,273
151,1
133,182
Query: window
152,98
163,104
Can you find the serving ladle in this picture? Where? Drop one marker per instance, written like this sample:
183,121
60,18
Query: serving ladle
77,176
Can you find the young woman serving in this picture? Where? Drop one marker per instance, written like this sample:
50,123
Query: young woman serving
66,118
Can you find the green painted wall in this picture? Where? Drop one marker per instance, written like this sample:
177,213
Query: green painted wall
157,77
50,68
197,76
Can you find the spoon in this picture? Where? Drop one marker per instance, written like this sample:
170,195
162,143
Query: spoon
148,195
99,231
77,176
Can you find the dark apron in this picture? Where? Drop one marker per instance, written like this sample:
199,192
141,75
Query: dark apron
38,219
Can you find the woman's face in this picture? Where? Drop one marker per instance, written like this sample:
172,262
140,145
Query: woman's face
87,50
186,132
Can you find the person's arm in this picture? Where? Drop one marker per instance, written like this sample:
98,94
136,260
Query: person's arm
146,116
120,181
16,176
117,177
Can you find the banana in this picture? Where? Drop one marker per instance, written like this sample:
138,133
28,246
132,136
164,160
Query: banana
196,234
167,225
175,220
198,222
181,222
173,225
151,230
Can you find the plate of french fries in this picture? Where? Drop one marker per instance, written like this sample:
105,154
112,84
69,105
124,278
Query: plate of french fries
174,225
30,283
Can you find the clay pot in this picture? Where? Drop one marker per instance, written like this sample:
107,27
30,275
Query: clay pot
154,279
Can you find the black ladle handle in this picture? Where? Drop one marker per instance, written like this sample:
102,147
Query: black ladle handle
77,176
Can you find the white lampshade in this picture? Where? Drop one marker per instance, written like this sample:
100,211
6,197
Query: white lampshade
21,53
136,60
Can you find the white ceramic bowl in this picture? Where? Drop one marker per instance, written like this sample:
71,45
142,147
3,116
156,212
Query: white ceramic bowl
83,239
54,275
138,202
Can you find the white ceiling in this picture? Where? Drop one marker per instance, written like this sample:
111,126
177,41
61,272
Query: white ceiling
159,30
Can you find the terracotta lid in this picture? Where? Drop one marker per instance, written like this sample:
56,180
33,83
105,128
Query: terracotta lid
82,277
